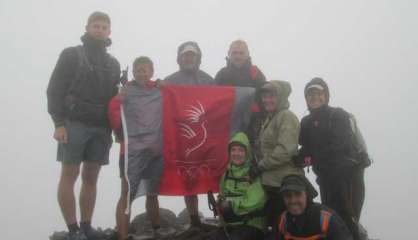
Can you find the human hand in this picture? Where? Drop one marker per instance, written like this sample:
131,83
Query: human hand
60,134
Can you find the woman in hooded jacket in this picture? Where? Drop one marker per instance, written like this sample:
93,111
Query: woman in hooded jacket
241,198
326,144
277,144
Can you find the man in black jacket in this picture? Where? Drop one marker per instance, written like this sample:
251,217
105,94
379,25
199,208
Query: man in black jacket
304,219
85,78
239,70
326,139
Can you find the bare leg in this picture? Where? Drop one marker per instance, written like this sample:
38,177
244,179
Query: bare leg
66,197
89,175
192,205
153,210
122,219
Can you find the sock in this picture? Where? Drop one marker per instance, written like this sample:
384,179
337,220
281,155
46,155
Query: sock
85,226
195,220
73,228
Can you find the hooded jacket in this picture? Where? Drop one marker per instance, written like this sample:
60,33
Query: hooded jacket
278,139
246,195
326,137
70,77
240,77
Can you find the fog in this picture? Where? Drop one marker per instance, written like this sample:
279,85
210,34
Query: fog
365,50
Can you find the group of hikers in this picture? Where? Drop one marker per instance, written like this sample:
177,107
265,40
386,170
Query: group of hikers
263,192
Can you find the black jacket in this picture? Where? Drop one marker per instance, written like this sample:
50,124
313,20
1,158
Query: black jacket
240,77
308,224
326,136
93,82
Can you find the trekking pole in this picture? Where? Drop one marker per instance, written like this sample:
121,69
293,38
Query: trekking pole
212,203
213,206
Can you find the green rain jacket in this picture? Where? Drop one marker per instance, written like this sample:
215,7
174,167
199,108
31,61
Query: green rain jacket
246,196
278,141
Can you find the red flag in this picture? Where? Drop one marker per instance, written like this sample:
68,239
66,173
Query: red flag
196,127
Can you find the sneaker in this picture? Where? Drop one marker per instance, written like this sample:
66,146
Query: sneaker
76,236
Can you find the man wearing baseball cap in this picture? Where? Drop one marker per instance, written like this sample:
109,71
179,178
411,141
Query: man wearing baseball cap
305,219
189,58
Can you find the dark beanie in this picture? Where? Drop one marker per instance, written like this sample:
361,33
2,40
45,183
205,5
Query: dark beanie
298,183
320,82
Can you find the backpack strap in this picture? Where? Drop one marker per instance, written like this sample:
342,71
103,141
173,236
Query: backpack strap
325,220
82,61
282,223
236,179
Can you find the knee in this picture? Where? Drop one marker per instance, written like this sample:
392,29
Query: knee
89,177
69,174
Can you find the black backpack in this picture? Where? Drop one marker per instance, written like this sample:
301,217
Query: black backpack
362,158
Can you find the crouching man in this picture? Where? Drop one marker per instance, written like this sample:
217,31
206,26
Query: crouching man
241,199
304,219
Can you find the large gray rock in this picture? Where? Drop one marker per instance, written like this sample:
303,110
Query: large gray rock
141,225
183,219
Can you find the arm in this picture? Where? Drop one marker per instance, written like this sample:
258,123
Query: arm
303,158
260,78
286,145
303,139
338,230
114,113
116,75
59,84
218,78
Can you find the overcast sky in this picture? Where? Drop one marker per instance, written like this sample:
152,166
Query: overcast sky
365,50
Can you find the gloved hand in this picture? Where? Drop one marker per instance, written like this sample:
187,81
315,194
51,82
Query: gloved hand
227,212
302,161
255,172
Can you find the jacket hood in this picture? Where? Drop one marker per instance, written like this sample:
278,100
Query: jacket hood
192,44
247,64
91,42
242,170
320,82
282,90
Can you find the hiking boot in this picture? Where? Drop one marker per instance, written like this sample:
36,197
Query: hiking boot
76,236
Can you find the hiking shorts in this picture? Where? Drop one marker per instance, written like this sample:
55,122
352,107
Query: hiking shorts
144,187
85,143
